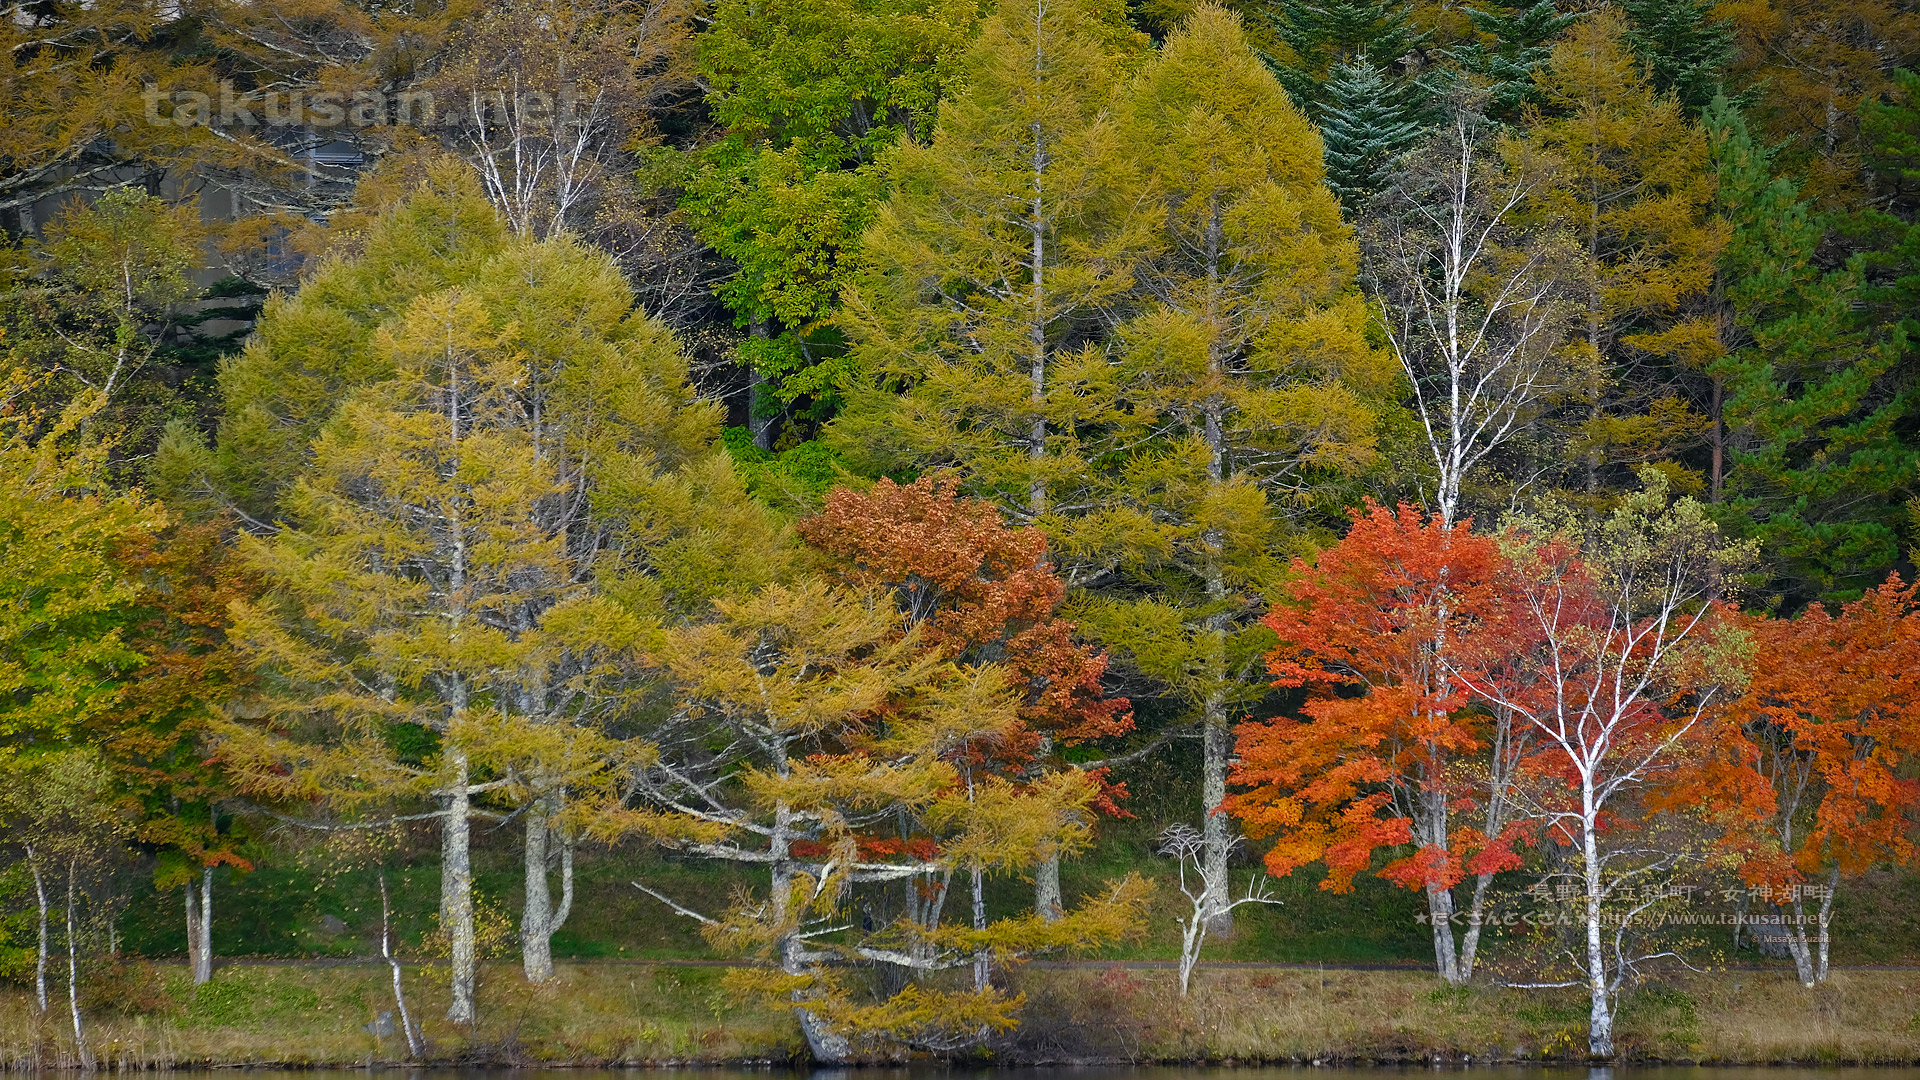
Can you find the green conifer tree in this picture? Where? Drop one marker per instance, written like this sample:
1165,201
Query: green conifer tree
1818,407
1365,124
1514,41
1685,47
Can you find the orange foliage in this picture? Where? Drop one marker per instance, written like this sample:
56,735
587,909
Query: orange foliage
1832,709
980,589
1368,630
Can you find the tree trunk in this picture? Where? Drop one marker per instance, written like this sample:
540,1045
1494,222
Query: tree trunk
1046,888
40,956
1440,913
1600,1019
981,967
456,889
760,418
73,973
414,1047
1216,834
1470,939
200,927
1826,920
826,1045
539,920
1795,935
1719,435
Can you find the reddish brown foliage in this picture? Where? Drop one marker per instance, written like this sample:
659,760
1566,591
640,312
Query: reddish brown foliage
981,590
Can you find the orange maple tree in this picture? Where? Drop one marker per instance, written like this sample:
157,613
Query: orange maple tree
1373,630
1831,714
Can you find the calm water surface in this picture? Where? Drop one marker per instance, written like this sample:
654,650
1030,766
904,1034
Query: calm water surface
1099,1073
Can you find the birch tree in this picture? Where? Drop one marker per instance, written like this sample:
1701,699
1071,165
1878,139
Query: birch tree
1472,303
1619,665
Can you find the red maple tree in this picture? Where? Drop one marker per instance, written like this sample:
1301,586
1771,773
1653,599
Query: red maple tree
1373,630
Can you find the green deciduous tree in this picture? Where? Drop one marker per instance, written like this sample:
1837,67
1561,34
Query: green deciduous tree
810,95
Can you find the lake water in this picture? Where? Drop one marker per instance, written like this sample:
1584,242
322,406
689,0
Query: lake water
1103,1073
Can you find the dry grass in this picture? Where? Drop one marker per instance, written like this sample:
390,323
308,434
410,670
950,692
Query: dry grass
605,1013
592,1014
1304,1015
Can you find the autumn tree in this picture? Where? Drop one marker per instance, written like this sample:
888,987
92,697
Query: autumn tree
315,347
1832,720
981,590
549,100
156,744
441,619
1391,747
989,264
1614,667
838,730
65,652
1246,390
1813,64
1630,180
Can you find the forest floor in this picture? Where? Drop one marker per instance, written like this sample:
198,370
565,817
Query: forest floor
609,1012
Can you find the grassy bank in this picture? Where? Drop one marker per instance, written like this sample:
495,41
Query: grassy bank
606,1013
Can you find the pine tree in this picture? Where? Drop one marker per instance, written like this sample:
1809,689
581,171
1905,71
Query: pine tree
1366,125
1516,40
1326,34
1816,402
1685,47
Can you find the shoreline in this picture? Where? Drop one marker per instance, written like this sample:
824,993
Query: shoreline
641,1014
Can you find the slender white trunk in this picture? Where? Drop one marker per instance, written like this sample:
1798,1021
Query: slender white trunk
1217,830
982,968
1047,902
1600,1020
1826,920
73,972
414,1047
200,927
827,1045
456,875
40,956
540,920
